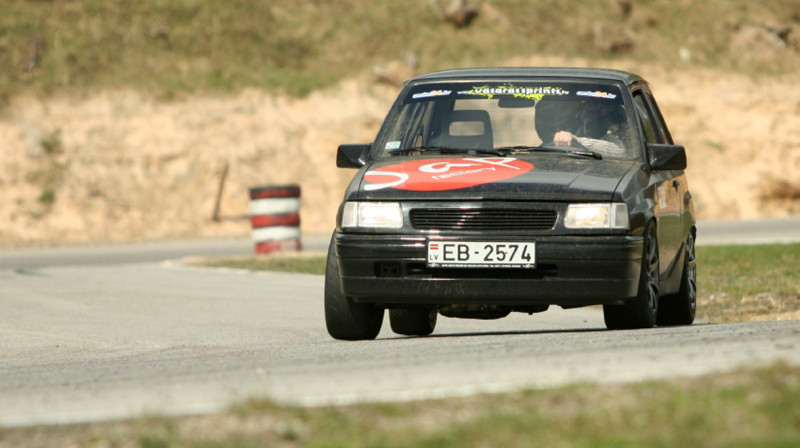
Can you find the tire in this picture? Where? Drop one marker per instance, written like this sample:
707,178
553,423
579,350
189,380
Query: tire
345,319
680,308
642,311
413,321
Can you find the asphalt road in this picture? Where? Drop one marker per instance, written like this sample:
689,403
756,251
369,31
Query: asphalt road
85,338
749,231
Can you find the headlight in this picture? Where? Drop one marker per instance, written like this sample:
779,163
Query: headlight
376,215
596,216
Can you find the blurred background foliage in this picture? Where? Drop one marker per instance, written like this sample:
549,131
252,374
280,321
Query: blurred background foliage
175,47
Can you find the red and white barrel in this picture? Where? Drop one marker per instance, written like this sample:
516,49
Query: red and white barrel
275,218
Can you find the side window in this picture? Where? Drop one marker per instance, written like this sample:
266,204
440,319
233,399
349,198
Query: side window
658,119
652,133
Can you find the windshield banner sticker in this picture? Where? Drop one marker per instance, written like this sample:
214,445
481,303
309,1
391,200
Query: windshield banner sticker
445,174
530,93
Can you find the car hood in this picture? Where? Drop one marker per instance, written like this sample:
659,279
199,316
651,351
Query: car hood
543,178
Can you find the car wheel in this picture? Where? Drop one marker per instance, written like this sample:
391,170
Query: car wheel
344,318
413,321
640,312
680,308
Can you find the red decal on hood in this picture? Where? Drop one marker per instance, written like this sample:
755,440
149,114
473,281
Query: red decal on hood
445,174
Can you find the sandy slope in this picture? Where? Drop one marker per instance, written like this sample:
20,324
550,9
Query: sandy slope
128,167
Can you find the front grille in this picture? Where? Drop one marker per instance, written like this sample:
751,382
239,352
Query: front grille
489,220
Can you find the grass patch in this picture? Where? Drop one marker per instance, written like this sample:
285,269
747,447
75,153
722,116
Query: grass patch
49,177
747,408
298,262
173,48
744,283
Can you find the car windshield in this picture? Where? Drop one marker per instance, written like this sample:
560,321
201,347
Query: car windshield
510,117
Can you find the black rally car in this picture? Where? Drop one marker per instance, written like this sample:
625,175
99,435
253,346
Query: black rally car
489,191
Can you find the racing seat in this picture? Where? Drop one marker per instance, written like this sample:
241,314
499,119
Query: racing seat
466,129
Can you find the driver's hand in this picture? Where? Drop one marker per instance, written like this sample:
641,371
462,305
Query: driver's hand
563,138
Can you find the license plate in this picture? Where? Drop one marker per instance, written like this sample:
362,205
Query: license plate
476,254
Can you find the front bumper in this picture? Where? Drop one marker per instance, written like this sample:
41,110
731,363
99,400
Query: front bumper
570,271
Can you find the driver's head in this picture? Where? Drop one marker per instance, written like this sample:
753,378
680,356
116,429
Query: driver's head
599,117
587,118
553,116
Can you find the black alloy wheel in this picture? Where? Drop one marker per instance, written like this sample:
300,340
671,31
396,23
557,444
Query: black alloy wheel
419,321
642,311
680,308
344,318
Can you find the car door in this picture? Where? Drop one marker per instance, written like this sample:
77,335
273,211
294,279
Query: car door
665,186
679,181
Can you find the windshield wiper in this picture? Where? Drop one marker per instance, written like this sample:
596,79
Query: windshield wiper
448,150
502,152
505,150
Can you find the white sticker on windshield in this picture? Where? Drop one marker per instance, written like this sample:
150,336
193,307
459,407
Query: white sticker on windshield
393,145
597,94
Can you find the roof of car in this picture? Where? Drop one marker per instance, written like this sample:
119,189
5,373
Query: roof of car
524,72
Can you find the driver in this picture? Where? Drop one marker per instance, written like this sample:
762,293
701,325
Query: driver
591,124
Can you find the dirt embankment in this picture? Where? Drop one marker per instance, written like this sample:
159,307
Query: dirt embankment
117,166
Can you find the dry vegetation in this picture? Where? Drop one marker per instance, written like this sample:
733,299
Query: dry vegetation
120,117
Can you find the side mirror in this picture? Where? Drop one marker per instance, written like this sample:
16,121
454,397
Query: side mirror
352,155
667,157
